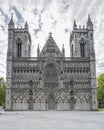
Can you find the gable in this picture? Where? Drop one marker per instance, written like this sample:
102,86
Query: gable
50,48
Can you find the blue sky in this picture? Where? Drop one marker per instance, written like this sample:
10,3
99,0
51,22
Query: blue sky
54,16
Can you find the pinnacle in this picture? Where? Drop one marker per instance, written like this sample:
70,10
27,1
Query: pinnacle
50,34
74,25
26,25
89,19
12,16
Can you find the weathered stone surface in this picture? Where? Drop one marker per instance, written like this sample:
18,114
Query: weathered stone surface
51,80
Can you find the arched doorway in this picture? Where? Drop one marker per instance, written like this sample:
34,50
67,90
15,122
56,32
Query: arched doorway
51,103
30,103
72,103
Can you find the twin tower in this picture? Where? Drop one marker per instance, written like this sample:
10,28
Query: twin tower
81,40
51,81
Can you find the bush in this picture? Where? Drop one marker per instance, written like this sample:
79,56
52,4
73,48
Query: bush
2,92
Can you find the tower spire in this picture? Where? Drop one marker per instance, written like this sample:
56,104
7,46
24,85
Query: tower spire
11,23
11,16
89,19
89,23
26,25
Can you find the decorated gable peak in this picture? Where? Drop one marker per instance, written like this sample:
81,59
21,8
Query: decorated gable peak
50,48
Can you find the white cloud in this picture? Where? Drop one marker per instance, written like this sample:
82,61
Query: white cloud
54,16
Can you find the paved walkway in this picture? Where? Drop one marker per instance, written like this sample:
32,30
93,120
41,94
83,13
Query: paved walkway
52,120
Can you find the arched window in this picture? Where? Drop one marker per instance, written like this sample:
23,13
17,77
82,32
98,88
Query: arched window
82,47
19,47
51,76
28,50
71,84
91,36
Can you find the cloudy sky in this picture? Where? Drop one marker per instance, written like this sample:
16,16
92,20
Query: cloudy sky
54,16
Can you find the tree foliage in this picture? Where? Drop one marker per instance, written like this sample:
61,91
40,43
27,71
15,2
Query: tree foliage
100,91
2,92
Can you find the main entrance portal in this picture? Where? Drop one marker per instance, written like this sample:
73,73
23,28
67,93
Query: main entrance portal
72,103
51,81
51,104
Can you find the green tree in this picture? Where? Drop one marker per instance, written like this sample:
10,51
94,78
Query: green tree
2,92
100,90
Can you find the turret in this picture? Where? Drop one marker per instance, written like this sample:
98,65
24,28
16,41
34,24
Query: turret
11,23
80,46
92,64
9,64
89,24
26,25
63,50
10,37
91,37
38,51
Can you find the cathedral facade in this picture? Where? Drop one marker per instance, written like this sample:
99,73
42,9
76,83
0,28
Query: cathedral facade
51,81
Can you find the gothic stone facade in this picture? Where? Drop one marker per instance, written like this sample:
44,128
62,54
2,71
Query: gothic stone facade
51,81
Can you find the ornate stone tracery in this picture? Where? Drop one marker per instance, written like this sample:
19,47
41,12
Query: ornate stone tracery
50,76
51,80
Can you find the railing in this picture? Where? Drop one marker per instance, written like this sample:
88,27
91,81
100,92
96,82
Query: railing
56,58
77,58
24,58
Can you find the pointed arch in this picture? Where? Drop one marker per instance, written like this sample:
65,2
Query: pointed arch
43,99
19,47
65,100
72,102
82,47
37,100
51,102
29,50
59,100
51,75
78,101
71,84
72,50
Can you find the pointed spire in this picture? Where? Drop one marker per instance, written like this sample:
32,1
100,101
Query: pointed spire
89,23
74,25
38,46
11,23
89,19
26,25
11,16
